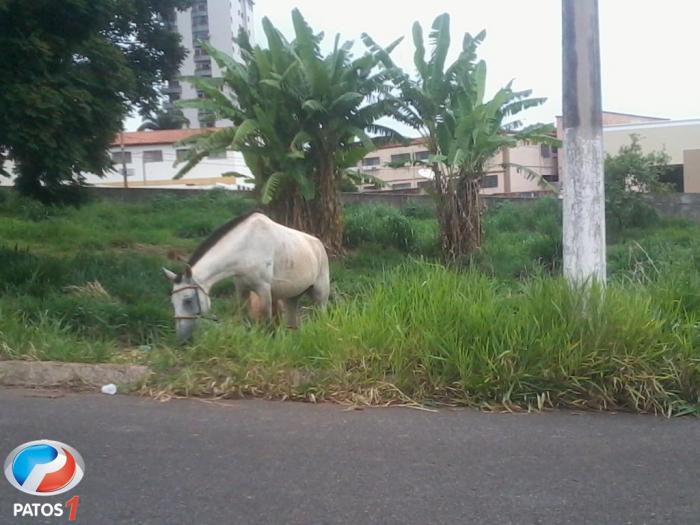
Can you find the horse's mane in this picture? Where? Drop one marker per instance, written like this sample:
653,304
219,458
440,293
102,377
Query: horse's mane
217,235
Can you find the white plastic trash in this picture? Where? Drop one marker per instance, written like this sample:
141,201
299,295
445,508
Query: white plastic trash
109,389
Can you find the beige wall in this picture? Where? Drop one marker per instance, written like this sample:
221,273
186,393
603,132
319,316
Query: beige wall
618,121
530,155
691,171
673,137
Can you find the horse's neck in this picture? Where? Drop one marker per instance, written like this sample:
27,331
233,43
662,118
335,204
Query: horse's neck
218,263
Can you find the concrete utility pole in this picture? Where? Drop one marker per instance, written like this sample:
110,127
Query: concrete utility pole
584,193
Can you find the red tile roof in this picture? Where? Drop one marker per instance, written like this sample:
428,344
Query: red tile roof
412,142
166,136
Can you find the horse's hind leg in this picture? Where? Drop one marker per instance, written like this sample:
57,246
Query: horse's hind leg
292,312
320,291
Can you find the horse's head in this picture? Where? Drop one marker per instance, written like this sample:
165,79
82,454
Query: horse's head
190,302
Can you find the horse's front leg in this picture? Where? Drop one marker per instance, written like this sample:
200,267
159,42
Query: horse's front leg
263,308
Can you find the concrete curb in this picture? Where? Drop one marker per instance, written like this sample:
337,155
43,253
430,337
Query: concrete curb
46,374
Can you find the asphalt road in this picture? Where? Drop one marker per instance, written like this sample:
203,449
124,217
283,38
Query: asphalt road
257,462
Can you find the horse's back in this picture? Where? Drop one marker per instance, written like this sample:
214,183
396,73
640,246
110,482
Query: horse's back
298,259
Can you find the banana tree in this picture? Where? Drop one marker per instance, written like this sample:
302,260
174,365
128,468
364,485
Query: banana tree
463,129
264,124
340,98
300,120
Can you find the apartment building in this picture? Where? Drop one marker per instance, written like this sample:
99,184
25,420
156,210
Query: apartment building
398,168
217,22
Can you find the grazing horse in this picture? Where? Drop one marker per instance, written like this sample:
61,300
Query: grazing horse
264,258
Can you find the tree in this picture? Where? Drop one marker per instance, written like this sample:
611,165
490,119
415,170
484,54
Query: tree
628,176
171,118
464,130
72,71
341,99
302,120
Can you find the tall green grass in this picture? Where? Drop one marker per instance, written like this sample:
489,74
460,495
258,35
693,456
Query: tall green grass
426,333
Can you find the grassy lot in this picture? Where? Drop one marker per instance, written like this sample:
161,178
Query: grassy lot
85,285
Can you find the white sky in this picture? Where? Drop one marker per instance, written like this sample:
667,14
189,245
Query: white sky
648,47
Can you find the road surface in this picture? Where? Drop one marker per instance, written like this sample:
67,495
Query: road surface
258,462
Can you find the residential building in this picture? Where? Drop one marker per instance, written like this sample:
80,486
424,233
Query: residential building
397,168
150,158
217,22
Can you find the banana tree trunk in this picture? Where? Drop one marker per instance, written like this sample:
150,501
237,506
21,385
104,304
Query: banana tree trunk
459,213
328,217
291,209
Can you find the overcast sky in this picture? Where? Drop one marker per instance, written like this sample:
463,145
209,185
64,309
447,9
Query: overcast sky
648,47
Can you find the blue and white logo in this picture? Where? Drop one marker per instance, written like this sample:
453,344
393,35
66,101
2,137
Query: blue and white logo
44,467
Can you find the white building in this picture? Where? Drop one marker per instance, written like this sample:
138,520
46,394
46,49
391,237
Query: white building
217,22
150,158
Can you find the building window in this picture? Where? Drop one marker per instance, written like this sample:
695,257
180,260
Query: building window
401,158
200,35
155,155
217,155
489,181
202,66
422,155
200,20
206,120
673,176
181,154
401,186
370,161
118,159
545,151
129,172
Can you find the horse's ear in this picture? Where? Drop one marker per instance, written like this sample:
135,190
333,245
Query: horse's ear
188,271
170,275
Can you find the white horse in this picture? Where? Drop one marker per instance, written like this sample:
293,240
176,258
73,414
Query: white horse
263,257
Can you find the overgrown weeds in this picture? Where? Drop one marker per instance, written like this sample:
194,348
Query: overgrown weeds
85,285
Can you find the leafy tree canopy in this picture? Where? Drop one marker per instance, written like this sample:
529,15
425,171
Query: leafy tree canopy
72,69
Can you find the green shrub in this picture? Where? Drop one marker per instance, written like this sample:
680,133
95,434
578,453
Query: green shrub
382,225
419,211
522,239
